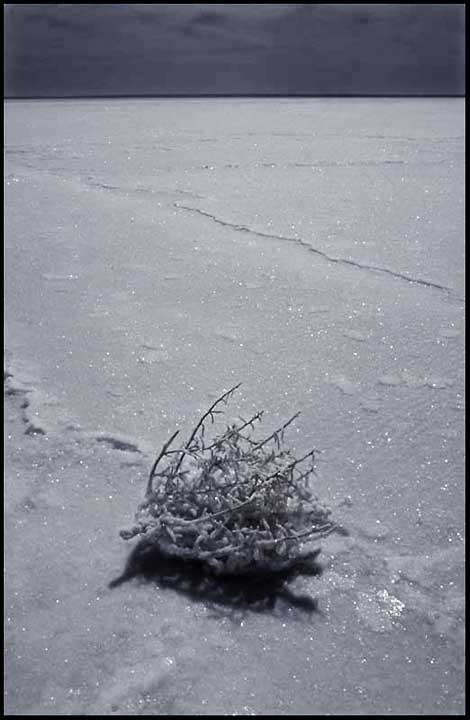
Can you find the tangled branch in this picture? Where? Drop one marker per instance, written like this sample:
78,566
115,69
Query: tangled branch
236,504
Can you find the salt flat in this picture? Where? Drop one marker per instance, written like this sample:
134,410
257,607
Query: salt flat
156,253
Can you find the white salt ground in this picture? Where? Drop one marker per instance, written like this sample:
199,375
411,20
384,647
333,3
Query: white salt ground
158,252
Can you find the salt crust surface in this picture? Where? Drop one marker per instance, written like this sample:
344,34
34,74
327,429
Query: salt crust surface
159,252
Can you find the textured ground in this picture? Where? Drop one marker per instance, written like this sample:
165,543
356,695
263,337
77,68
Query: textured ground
158,252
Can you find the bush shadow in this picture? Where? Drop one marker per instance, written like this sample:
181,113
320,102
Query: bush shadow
258,591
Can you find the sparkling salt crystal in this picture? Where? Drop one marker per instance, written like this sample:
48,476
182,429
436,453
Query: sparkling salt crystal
379,610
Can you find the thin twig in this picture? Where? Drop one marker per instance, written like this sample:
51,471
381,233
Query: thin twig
206,414
237,429
276,432
148,491
285,469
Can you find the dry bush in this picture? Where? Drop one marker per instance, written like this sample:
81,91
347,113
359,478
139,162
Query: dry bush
237,505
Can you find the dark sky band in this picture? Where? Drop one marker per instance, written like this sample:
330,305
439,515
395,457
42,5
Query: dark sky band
70,50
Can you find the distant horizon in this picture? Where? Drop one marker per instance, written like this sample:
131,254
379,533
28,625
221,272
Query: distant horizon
195,96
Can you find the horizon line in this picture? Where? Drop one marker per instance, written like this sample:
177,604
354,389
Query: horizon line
232,95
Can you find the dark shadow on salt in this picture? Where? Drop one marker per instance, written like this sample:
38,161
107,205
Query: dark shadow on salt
258,591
